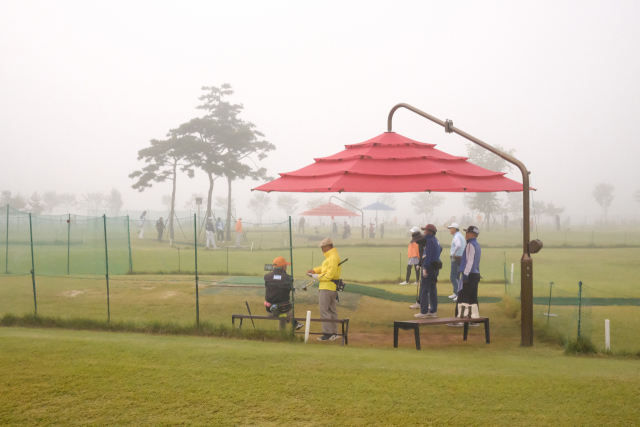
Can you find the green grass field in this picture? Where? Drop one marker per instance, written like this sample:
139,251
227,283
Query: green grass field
55,377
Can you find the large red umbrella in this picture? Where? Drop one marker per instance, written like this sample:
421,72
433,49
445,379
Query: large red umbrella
329,209
391,163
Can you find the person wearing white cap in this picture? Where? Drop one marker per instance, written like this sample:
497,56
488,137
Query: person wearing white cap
328,273
210,231
457,248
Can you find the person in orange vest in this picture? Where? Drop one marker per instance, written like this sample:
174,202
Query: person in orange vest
238,232
414,257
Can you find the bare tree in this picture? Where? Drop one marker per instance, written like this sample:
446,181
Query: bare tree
514,205
51,201
352,199
315,202
426,203
166,201
603,193
113,201
67,200
223,202
259,204
287,203
191,203
92,200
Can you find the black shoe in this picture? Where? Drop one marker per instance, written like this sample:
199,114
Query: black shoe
325,338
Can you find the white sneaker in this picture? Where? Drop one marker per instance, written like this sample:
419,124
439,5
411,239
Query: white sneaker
453,296
455,299
432,314
403,283
415,306
414,283
334,337
422,316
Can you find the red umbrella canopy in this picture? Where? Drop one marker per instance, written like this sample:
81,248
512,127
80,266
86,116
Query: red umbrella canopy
391,163
329,209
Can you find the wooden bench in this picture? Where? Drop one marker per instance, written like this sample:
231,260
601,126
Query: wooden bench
344,322
415,325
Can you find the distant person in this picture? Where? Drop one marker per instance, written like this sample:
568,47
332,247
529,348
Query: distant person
277,293
413,252
346,231
431,266
238,232
220,230
470,269
505,221
160,227
382,230
557,222
328,273
301,225
457,247
210,232
334,227
372,231
143,220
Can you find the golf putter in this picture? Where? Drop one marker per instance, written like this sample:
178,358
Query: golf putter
249,310
313,281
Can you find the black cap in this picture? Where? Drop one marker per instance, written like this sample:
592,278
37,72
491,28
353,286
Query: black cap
472,229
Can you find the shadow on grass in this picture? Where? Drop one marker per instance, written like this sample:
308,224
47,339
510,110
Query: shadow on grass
205,329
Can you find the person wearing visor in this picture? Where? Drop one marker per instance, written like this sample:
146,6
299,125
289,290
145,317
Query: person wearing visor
277,294
468,285
328,273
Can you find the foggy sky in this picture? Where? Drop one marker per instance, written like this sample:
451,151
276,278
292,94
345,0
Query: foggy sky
85,85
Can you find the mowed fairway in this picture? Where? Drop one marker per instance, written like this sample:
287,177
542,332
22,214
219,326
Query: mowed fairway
54,377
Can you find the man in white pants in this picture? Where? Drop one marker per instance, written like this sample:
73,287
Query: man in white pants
143,219
210,231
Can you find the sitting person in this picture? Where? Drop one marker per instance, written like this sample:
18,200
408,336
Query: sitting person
278,286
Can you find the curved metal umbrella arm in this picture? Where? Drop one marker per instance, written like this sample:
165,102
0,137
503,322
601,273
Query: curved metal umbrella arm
361,213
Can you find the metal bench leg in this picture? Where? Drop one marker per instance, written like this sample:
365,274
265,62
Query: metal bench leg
395,335
346,335
466,330
343,333
486,330
416,331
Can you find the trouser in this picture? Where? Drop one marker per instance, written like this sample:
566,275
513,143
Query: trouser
328,310
220,235
455,274
160,232
284,319
468,296
301,226
417,269
429,292
141,235
210,239
238,239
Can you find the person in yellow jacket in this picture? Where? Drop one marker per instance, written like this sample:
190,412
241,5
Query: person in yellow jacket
327,273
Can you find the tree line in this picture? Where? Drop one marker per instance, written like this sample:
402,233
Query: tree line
49,201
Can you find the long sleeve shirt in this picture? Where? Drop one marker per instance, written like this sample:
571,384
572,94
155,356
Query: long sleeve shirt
471,259
330,269
432,250
457,244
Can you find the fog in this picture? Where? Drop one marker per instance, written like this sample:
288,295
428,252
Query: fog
85,85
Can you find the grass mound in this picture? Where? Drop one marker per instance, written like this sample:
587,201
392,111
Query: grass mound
581,345
205,329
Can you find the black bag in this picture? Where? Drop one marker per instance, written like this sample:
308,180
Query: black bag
436,265
339,285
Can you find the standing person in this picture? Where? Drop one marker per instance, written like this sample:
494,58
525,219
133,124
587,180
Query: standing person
470,269
278,286
413,252
210,232
334,226
238,232
382,230
160,227
143,219
220,230
301,225
457,247
372,231
430,270
328,273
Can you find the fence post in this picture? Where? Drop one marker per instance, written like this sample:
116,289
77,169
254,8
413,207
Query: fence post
549,310
505,271
227,259
106,261
68,241
195,246
579,306
129,240
33,269
293,292
6,252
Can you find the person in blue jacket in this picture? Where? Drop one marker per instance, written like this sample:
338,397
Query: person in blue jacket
470,269
431,265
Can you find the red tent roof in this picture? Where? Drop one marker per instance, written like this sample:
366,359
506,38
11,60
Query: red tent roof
329,209
391,163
